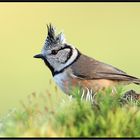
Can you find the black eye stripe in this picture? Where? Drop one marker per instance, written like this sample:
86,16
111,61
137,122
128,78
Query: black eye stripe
66,46
54,52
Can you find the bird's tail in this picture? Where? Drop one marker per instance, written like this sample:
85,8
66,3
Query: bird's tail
133,79
136,81
130,78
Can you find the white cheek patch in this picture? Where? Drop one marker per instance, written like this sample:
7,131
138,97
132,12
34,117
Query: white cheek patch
71,59
62,56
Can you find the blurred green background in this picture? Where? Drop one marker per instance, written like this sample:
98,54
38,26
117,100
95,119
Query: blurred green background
109,32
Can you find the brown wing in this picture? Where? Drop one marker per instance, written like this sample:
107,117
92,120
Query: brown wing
89,68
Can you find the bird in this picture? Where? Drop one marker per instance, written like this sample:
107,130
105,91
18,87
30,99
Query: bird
71,68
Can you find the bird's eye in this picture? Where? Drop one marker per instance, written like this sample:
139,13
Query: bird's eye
54,52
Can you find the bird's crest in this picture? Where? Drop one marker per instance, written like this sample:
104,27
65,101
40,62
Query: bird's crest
52,38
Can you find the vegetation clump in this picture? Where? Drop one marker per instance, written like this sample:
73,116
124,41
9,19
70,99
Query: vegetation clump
59,115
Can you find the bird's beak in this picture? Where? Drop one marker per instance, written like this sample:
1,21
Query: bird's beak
39,56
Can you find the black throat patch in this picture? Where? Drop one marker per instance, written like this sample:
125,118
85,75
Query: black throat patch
49,66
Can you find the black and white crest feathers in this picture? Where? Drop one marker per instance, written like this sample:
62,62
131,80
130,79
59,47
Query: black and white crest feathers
52,38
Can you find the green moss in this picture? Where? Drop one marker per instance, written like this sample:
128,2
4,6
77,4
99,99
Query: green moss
58,115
